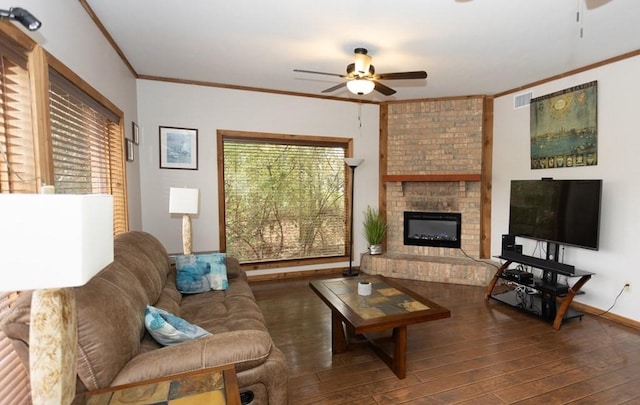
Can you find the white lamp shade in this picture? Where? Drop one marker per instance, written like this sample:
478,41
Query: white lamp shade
360,86
53,240
353,162
183,200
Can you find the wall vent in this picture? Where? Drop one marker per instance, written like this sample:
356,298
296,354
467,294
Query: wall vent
522,100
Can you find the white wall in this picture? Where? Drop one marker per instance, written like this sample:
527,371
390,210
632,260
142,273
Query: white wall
69,34
208,109
616,262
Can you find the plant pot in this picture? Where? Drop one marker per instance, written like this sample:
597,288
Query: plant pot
375,249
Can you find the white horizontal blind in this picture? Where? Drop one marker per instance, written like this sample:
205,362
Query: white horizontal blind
87,145
284,201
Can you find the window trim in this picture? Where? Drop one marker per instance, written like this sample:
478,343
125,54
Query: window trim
224,134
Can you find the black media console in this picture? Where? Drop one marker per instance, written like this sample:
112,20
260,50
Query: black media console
544,297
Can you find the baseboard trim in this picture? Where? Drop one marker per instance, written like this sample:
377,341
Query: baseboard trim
607,315
335,272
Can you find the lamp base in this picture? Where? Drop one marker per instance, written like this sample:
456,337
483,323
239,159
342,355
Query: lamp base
350,273
186,234
52,346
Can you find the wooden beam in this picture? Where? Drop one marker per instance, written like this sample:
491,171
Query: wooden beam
487,175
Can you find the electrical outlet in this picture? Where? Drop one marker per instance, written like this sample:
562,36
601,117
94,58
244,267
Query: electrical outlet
627,287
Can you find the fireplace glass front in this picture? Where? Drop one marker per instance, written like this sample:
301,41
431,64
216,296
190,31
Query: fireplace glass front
437,229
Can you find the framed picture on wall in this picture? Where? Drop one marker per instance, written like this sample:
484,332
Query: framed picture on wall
129,150
178,148
135,133
564,128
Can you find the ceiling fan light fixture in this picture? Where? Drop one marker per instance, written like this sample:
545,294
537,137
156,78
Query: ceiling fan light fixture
360,86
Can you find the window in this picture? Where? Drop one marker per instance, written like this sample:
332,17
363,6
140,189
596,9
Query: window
284,196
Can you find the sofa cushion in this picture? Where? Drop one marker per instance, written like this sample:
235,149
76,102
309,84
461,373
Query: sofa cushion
168,329
222,311
171,298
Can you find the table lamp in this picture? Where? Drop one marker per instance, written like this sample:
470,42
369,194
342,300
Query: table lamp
51,242
184,201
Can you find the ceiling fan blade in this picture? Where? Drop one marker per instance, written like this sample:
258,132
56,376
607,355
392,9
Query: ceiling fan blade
420,74
334,88
387,91
318,73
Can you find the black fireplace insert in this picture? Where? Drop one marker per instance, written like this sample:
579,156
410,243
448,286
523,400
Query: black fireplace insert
438,229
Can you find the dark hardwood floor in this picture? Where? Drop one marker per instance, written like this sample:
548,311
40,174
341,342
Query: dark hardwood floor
486,353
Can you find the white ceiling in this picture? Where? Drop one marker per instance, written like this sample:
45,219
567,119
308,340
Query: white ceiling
467,47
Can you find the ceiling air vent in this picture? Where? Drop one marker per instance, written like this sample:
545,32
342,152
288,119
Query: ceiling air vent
522,100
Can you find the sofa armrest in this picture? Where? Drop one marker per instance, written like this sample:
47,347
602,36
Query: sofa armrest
233,268
245,349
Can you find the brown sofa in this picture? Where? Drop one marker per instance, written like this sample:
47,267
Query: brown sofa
114,347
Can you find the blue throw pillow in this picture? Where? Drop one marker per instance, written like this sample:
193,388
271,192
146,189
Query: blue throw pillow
218,269
192,276
168,329
202,272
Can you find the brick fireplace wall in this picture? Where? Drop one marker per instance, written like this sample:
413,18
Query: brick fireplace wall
433,137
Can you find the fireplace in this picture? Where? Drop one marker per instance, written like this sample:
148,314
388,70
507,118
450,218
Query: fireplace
438,229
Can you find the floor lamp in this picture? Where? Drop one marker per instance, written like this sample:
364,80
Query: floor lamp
352,163
53,242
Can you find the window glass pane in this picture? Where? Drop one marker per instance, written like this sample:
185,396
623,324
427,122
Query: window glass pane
284,201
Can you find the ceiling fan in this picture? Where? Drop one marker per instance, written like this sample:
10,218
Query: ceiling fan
362,78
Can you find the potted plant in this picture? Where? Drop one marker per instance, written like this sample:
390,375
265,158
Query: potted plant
374,229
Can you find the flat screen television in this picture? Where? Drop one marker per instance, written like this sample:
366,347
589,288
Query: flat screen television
566,212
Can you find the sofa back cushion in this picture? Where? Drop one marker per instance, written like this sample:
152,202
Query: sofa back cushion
111,307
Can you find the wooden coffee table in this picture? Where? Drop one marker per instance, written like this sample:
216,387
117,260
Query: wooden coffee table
390,306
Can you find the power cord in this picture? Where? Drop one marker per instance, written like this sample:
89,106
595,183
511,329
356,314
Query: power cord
477,260
614,301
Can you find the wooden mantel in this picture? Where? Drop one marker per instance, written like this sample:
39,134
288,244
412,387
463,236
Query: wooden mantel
431,177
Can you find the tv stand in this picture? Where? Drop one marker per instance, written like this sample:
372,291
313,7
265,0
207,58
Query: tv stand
539,296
